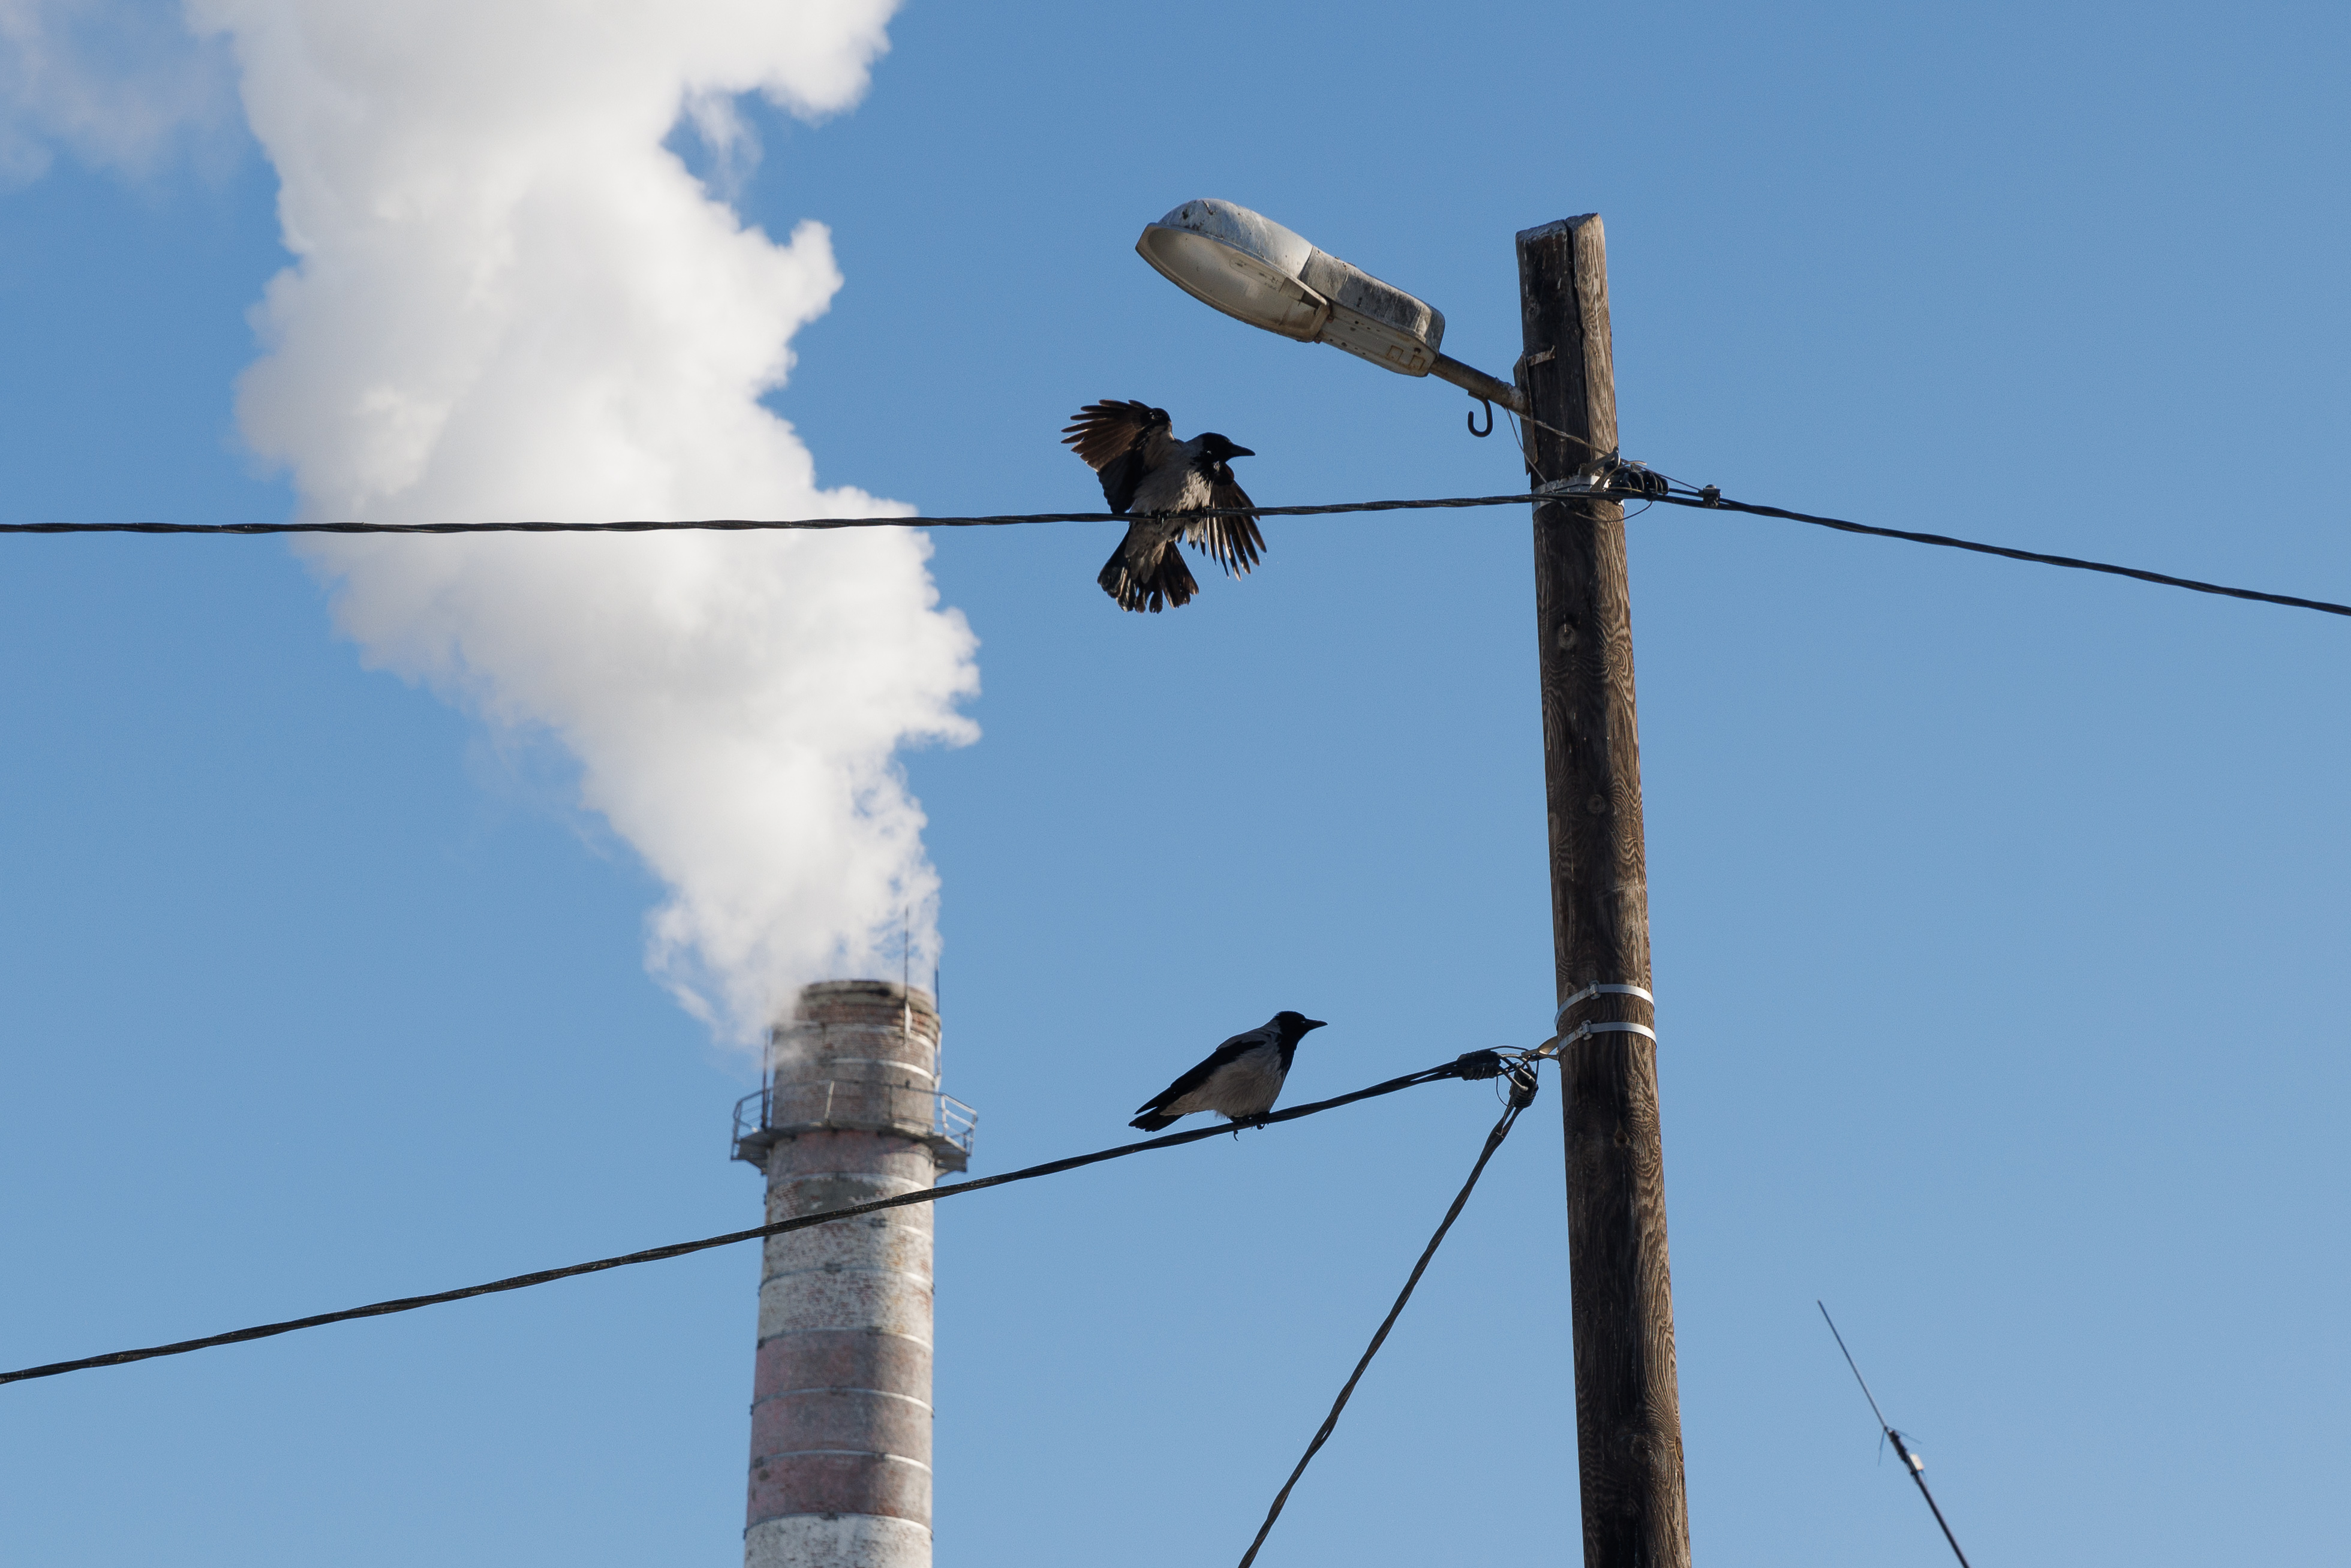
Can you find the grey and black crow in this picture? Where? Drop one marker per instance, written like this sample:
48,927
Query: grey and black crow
1240,1079
1131,448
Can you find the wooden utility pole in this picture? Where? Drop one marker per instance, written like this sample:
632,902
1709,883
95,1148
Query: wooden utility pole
1629,1425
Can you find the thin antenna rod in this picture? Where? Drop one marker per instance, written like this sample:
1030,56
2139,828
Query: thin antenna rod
1909,1462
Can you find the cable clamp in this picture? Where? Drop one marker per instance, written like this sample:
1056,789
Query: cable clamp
1610,474
1474,1065
1607,988
1583,1029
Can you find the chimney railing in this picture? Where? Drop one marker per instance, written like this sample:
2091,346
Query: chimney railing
854,1105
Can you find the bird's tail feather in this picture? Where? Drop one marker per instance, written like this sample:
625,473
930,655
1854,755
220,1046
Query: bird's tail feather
1161,579
1152,1121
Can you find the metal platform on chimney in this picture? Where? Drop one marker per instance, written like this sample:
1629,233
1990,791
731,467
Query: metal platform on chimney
941,1120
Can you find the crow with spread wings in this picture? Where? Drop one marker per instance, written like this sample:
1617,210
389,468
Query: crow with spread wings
1131,448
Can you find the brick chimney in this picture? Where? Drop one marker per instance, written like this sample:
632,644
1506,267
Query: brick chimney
841,1410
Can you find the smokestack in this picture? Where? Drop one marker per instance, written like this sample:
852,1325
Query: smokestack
840,1408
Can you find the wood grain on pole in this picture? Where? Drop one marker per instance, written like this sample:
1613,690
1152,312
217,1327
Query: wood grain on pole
1627,1405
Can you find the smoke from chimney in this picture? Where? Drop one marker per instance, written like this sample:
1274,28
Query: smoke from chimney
509,299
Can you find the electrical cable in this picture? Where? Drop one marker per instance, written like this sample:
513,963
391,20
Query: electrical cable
1523,1084
1472,1065
1719,503
753,525
1910,1461
1707,498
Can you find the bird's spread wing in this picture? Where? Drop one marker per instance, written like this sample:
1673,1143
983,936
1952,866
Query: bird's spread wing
1201,1073
1102,430
1119,441
1231,542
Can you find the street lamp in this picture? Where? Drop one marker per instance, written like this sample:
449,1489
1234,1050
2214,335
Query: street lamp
1253,269
1628,1434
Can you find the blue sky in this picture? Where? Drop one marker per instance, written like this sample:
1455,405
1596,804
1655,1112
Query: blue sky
1998,912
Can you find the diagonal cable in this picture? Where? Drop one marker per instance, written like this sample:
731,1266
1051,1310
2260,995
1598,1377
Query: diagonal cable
1522,1095
1910,1461
1471,1064
1720,503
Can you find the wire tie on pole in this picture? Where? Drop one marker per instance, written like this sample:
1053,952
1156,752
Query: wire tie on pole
1604,988
1584,1030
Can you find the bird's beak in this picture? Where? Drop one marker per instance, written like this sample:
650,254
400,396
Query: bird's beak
1313,1023
1240,452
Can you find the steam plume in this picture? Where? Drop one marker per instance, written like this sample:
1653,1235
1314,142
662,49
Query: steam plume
510,300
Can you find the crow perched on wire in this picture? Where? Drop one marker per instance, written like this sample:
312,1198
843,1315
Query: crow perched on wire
1240,1079
1132,447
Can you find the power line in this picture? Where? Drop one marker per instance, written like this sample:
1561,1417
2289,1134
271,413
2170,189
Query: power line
1948,542
1910,1461
750,524
1522,1095
1475,1064
1707,498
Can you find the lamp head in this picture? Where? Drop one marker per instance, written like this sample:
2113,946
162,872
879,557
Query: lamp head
1255,270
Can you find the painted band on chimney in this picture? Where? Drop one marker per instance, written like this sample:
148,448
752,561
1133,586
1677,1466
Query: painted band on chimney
841,1414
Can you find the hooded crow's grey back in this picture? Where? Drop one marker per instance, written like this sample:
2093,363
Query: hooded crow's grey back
1240,1079
1131,448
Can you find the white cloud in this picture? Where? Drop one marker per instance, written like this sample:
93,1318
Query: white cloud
511,301
119,85
733,145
